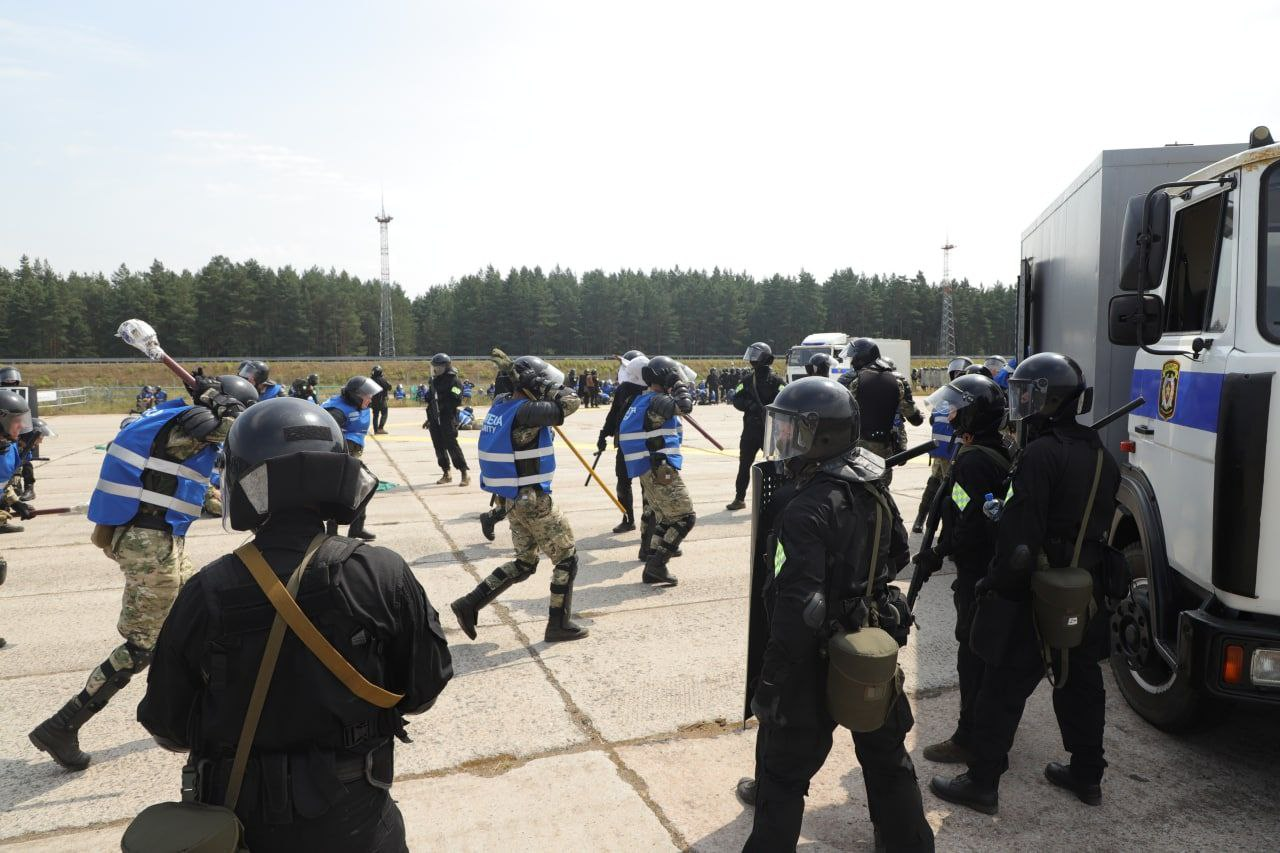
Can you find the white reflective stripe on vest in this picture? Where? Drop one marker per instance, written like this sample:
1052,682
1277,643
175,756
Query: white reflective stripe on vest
535,453
164,466
653,433
532,479
643,454
149,497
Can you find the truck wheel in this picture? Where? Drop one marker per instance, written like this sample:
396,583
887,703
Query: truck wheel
1160,695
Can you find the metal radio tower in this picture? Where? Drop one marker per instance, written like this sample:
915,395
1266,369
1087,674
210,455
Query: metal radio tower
386,328
947,337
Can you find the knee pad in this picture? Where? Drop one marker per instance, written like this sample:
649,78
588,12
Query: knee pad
517,570
686,524
139,657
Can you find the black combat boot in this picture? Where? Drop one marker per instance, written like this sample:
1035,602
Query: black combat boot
487,525
628,524
739,502
964,790
59,735
655,570
560,624
357,531
1089,793
467,609
746,790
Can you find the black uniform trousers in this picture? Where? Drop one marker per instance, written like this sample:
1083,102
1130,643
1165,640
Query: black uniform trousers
969,667
444,439
751,443
787,757
1080,706
380,416
625,495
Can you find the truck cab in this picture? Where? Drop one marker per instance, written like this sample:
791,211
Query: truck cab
829,343
1200,298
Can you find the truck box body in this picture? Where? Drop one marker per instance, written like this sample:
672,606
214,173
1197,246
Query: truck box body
1070,256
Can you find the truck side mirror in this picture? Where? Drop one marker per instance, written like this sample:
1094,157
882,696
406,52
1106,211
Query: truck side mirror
1132,238
1131,324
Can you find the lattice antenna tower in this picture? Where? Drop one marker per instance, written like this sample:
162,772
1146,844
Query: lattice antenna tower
947,336
386,328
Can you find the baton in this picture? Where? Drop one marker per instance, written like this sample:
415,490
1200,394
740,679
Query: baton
699,428
78,509
594,463
139,335
911,453
1120,412
590,471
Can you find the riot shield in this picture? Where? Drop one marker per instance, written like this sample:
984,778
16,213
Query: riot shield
766,482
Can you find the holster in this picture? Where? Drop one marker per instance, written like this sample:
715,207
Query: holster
102,536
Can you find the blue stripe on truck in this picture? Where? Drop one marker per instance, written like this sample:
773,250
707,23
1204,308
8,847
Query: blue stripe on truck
1199,395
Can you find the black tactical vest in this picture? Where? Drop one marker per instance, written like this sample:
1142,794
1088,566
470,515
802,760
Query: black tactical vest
878,397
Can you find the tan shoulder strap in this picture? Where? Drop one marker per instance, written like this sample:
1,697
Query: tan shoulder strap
270,654
309,634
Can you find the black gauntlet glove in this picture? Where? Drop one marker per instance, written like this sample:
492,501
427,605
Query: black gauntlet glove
602,443
765,702
24,511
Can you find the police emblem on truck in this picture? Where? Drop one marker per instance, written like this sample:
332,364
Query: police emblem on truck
1169,388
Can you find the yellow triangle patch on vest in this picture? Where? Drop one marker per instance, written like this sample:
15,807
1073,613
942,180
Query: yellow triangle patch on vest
960,496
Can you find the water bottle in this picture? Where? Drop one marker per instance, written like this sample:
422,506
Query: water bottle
992,507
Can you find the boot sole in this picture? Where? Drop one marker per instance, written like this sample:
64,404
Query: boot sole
566,637
968,804
470,632
667,581
1084,798
45,748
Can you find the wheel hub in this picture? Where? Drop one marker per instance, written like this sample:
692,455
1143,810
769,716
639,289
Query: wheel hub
1131,627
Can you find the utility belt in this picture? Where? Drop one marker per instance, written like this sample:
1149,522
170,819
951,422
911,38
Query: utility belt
152,518
881,435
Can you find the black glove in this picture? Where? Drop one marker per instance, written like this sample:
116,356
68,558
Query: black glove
602,443
24,511
225,406
764,704
928,561
203,384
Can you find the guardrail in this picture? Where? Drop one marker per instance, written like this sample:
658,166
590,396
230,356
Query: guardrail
57,398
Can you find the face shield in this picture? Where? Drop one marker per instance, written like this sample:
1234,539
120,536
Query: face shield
754,353
438,369
687,373
995,364
957,366
1027,397
788,434
948,400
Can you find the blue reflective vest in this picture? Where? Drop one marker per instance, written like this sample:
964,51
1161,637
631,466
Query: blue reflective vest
120,489
356,422
942,433
10,462
273,390
498,474
632,437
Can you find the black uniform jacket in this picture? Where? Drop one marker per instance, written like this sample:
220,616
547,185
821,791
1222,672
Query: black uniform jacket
618,405
967,534
826,525
758,390
1050,488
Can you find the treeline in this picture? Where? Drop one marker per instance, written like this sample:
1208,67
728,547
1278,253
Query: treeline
239,309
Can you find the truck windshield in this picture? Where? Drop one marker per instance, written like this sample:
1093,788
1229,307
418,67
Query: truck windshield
1269,257
799,356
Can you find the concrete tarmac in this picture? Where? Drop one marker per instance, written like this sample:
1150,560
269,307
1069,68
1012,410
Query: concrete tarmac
629,740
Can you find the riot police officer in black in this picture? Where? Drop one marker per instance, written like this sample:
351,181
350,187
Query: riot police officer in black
756,391
321,764
1051,486
630,385
975,407
825,519
819,364
879,395
444,398
379,403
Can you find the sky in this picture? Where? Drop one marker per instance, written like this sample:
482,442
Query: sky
757,137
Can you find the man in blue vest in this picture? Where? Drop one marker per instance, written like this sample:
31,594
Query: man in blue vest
258,373
15,419
940,456
517,463
650,438
151,487
350,408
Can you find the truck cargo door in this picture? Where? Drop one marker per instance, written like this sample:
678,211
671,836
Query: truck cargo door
1175,432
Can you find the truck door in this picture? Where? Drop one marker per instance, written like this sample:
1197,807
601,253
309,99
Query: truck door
1175,432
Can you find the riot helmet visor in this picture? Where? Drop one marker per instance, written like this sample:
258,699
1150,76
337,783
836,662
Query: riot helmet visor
758,353
1027,397
789,434
948,400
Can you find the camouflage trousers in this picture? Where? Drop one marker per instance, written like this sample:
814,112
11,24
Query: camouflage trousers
884,451
537,525
668,513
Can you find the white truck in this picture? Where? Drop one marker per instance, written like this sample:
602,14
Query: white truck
833,344
1189,291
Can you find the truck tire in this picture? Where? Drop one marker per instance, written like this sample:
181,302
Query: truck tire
1163,697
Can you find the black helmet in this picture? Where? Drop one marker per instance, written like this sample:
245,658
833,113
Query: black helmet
238,388
819,365
359,391
256,372
812,418
534,374
377,371
1049,386
758,354
957,366
861,352
978,403
995,363
978,370
39,429
313,379
289,455
663,371
10,376
15,415
630,354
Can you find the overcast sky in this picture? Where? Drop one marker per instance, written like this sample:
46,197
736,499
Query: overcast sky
766,137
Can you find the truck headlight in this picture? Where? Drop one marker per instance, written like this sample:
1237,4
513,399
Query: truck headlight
1266,667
